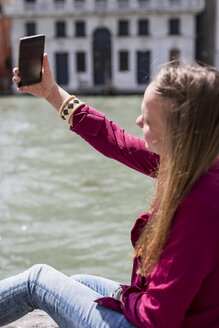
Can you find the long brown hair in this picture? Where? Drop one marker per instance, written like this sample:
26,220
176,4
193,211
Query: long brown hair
192,126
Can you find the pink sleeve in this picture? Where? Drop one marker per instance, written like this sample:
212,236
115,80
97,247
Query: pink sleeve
190,255
112,141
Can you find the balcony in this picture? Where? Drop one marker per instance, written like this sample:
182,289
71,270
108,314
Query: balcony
29,7
123,4
143,4
59,5
169,5
79,4
100,5
38,8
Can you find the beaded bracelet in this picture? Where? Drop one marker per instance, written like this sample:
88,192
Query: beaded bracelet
68,108
65,102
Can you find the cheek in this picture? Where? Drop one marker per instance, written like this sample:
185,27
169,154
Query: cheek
148,134
153,140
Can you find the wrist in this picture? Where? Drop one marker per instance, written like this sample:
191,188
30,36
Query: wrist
68,107
51,92
57,96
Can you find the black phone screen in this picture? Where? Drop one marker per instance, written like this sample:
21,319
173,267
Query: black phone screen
30,60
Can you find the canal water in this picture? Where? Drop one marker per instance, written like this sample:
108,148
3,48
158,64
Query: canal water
61,202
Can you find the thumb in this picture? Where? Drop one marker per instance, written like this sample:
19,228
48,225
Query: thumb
46,65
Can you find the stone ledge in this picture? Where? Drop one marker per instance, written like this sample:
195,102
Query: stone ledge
35,319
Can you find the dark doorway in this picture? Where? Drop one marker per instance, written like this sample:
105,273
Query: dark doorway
62,68
143,67
102,57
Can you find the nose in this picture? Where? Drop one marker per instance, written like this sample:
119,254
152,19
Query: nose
139,121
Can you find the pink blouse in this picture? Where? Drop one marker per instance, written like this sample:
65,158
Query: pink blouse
183,289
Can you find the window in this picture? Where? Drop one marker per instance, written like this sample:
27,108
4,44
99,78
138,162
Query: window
143,27
174,2
174,57
102,61
30,28
79,4
174,26
123,4
60,29
143,67
80,61
62,68
59,4
123,61
123,28
101,4
29,5
80,29
143,3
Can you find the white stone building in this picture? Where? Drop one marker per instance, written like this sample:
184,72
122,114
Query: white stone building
207,32
102,45
216,61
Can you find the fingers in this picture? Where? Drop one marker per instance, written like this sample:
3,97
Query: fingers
16,79
45,58
45,61
22,89
46,66
41,88
15,71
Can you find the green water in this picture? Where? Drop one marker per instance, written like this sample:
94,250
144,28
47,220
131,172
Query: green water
61,202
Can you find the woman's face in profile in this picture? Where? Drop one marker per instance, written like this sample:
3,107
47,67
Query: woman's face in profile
151,120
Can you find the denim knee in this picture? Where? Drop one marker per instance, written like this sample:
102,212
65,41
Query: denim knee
36,270
80,277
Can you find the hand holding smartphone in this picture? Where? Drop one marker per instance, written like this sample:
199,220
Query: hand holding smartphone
30,59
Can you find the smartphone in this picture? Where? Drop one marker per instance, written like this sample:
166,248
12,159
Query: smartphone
30,59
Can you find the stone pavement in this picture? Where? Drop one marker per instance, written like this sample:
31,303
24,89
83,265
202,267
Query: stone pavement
35,319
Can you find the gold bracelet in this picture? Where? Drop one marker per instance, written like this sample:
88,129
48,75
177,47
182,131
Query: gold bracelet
69,108
65,102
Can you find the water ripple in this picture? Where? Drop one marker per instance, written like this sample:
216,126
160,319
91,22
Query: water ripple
62,203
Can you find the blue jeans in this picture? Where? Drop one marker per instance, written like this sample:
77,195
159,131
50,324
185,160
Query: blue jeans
68,300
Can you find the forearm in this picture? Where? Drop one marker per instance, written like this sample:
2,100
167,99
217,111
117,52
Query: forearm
112,141
103,134
57,96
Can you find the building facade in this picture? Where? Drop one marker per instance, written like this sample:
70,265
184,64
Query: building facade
5,53
206,31
107,45
216,57
207,47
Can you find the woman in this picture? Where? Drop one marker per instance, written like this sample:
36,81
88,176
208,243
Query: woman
176,246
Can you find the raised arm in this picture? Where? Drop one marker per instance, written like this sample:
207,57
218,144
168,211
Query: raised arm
103,134
112,141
